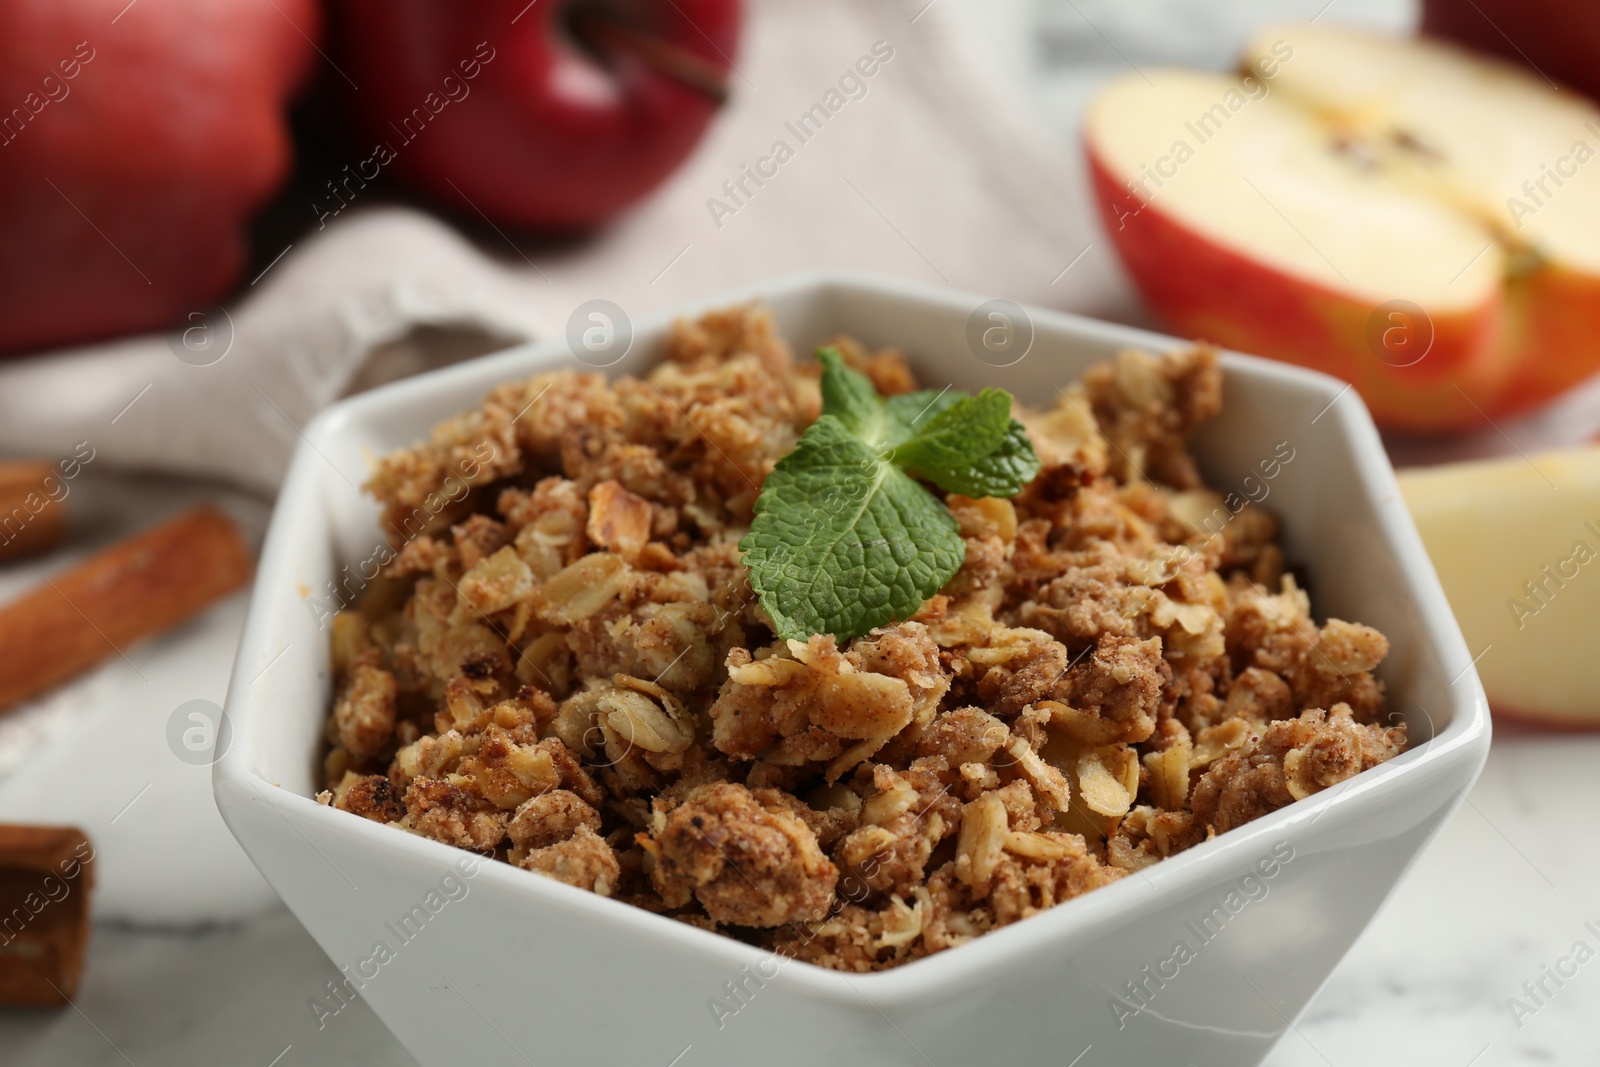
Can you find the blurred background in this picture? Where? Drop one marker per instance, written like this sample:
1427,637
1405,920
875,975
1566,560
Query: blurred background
218,216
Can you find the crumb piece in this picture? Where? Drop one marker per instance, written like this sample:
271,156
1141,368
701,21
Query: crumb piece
1146,407
1290,760
1147,836
583,860
452,810
619,521
767,700
365,711
371,796
1113,694
1040,871
903,819
742,855
496,582
478,537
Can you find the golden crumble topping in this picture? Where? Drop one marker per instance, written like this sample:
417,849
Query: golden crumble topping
562,664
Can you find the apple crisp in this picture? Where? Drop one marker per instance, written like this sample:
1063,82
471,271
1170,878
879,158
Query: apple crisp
562,663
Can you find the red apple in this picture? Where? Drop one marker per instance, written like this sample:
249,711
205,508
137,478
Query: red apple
1355,203
1558,38
135,142
553,115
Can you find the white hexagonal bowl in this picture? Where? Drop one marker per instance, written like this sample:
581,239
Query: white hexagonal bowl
1205,959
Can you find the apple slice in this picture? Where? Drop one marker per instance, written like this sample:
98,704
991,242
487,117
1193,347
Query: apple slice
1344,205
1502,145
1516,543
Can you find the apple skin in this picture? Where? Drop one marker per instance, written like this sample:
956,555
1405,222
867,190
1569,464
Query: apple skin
545,138
1560,38
123,202
1204,290
1557,336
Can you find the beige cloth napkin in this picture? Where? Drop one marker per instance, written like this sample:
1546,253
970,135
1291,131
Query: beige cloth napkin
927,172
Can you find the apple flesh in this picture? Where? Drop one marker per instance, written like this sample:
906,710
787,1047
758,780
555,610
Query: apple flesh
1343,205
552,116
1516,543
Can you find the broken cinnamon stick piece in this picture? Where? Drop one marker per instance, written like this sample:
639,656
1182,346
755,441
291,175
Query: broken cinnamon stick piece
136,588
33,513
45,877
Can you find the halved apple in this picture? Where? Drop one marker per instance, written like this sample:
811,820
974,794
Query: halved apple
1516,543
1355,203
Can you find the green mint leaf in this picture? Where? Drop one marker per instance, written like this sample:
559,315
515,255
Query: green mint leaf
957,437
843,540
1003,472
912,410
849,396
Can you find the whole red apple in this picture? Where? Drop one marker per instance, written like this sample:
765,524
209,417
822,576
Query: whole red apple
135,141
551,115
1558,38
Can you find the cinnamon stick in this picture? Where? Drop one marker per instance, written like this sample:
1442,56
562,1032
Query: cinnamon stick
45,877
33,513
136,588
